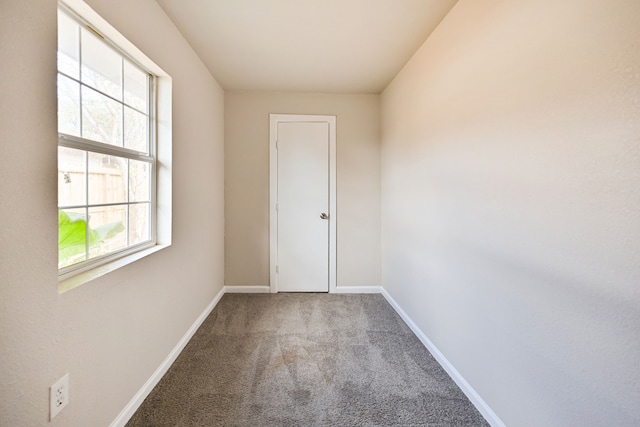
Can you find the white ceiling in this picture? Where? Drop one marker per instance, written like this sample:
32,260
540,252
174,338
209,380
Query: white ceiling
343,46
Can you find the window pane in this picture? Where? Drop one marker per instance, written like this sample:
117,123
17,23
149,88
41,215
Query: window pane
68,43
107,179
72,237
135,130
107,225
72,186
101,66
101,118
139,223
68,106
136,84
139,181
104,200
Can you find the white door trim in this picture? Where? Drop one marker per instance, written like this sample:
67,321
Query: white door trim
274,119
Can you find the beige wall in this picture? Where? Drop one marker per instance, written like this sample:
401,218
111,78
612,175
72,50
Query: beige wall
511,194
247,183
112,333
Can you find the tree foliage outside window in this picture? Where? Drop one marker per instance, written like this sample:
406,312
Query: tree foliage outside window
105,148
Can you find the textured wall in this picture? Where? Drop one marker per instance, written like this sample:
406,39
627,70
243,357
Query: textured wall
247,183
511,193
112,333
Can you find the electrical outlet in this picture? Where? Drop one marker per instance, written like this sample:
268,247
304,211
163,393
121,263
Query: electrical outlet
58,396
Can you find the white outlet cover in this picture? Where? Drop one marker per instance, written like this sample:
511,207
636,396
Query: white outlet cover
58,396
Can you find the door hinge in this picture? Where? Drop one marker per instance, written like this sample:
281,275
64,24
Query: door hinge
277,269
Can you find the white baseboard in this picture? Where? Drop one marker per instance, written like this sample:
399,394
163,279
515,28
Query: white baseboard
142,394
338,290
358,290
247,289
471,394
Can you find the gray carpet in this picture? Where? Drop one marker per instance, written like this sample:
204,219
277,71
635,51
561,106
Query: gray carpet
305,360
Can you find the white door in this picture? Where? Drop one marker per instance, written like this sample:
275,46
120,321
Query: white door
304,211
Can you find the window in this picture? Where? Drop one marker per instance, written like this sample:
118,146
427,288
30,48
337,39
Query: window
106,149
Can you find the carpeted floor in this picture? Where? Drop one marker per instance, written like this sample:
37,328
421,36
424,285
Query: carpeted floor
305,360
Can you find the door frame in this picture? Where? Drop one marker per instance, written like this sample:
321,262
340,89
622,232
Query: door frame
274,119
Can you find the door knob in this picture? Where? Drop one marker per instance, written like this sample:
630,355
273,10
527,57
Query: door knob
324,216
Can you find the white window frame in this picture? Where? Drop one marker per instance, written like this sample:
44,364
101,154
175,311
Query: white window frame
159,156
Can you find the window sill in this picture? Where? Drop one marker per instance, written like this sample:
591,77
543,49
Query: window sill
79,279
